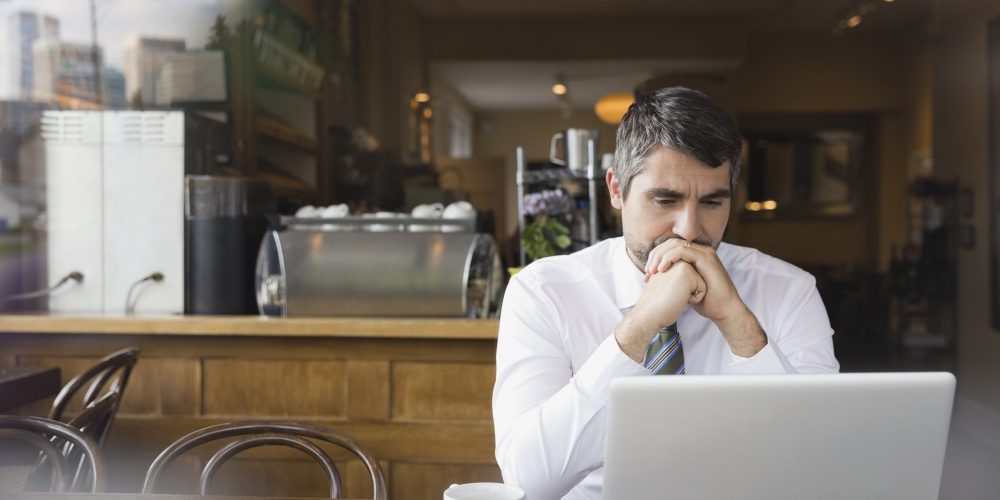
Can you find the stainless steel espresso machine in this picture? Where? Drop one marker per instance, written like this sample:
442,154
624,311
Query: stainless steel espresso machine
352,267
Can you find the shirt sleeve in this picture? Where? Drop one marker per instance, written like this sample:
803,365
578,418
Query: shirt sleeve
799,337
547,418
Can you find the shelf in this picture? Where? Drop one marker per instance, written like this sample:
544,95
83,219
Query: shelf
283,65
556,174
277,98
268,79
289,187
274,129
524,177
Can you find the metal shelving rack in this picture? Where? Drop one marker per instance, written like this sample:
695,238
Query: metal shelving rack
525,177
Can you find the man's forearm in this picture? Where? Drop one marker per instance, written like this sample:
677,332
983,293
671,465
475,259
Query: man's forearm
743,333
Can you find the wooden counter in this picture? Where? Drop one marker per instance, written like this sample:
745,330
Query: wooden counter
416,392
410,328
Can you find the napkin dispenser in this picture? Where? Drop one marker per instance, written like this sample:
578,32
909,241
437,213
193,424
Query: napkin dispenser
307,271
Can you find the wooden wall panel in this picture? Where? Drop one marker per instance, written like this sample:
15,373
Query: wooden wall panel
419,481
284,387
442,391
422,406
368,390
357,481
157,386
161,386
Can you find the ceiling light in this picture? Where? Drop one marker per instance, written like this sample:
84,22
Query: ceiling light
753,206
422,97
612,107
559,88
769,205
853,21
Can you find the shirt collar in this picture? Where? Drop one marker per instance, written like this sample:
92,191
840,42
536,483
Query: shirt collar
627,277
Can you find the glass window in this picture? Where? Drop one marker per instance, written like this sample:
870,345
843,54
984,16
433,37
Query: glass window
152,56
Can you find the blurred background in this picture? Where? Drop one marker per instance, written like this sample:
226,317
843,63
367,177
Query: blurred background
872,132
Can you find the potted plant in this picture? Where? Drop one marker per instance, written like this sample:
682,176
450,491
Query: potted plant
546,234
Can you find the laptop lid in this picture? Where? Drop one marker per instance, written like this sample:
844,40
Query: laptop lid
774,437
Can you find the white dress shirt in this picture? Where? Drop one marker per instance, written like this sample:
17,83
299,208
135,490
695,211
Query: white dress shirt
556,354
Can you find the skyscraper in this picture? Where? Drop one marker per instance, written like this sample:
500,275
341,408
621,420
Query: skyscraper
64,73
113,88
144,58
23,29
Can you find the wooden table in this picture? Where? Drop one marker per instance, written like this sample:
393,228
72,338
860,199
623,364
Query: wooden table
22,385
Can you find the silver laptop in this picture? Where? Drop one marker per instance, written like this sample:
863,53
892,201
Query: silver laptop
775,437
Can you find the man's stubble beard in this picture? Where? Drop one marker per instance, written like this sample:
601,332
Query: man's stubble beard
639,251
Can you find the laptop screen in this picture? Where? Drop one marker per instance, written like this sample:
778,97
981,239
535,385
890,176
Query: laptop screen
835,436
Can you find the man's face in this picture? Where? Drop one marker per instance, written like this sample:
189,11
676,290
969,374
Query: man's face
674,196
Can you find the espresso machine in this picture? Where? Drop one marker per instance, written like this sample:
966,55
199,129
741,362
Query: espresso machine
355,266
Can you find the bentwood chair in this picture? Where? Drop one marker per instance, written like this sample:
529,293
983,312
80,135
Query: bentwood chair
58,443
90,422
255,434
112,371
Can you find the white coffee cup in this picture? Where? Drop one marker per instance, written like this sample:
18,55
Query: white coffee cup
332,211
335,212
307,211
426,211
483,491
458,210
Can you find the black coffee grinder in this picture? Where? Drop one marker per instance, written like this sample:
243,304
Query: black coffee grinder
225,219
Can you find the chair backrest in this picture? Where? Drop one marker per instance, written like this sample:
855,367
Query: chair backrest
254,434
46,434
93,421
114,368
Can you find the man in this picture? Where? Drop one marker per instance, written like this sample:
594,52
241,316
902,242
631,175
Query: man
571,324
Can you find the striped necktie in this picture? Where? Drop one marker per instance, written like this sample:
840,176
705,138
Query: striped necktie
665,356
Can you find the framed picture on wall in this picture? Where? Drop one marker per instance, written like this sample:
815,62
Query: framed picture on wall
807,165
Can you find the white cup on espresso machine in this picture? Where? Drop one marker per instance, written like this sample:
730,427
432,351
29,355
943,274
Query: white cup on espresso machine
576,143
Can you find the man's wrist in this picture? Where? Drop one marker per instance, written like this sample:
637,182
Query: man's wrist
629,342
743,333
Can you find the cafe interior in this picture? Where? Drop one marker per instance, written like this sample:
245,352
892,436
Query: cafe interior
296,218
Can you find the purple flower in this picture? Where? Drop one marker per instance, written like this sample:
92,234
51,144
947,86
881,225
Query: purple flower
550,202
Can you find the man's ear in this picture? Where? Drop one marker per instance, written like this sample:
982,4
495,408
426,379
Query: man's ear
614,188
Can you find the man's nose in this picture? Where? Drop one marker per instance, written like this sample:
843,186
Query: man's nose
686,224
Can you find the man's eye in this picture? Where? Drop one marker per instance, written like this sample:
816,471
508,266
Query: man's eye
664,201
713,203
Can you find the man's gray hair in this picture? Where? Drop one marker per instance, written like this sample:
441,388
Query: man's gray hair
681,119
